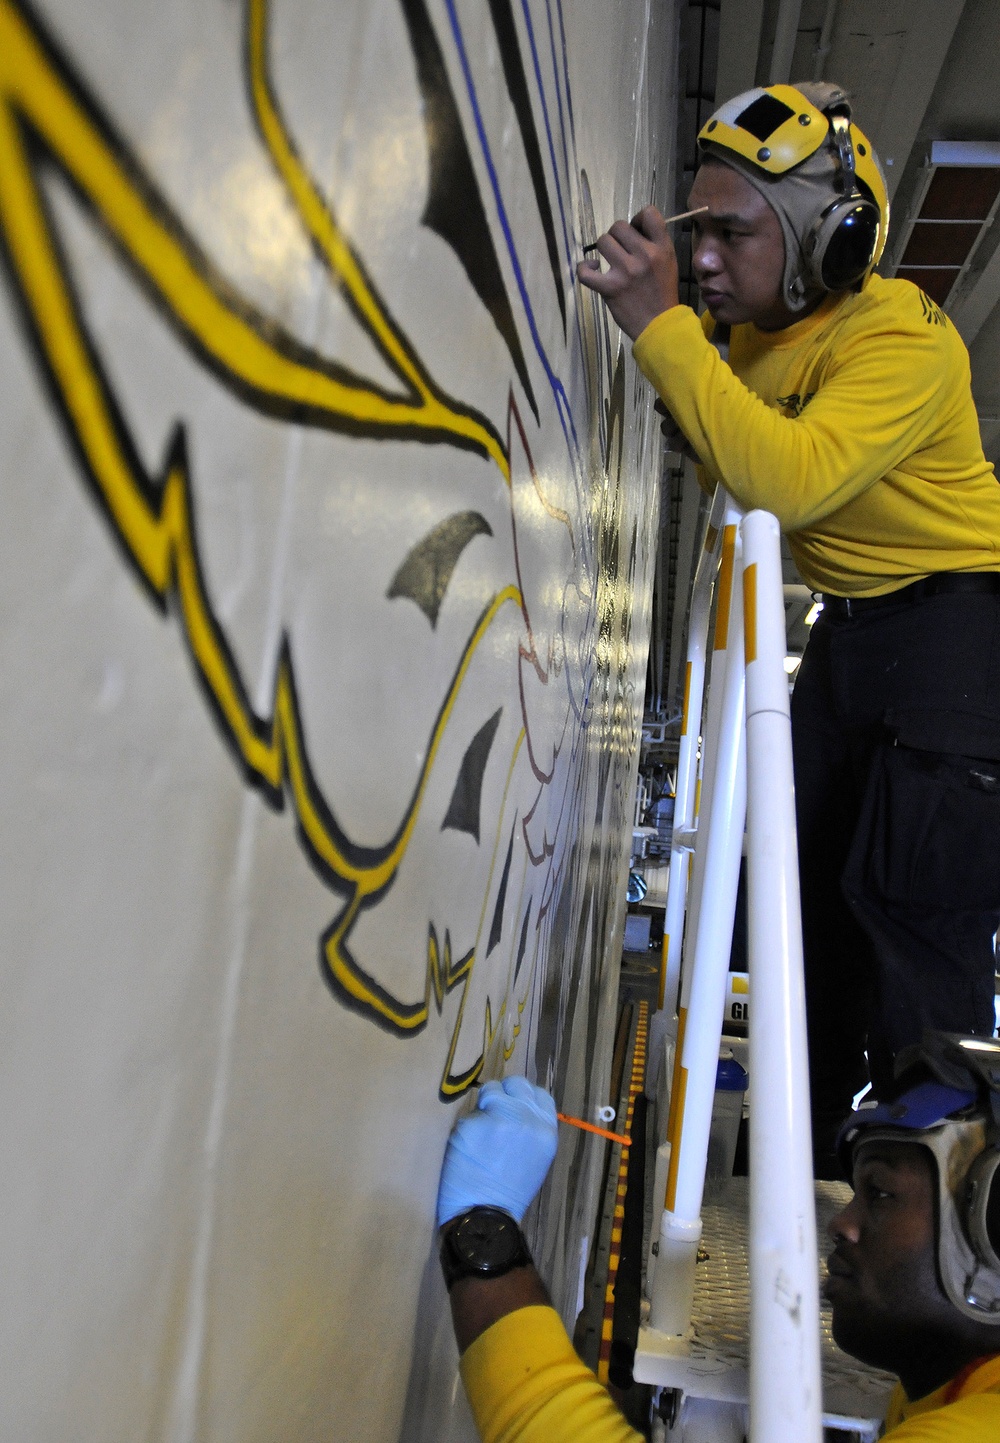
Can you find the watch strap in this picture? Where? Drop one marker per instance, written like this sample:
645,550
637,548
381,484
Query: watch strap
484,1242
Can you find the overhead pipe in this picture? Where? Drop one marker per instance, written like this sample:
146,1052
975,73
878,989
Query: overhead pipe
785,33
825,38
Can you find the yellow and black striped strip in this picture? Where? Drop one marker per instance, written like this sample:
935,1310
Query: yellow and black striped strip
636,1084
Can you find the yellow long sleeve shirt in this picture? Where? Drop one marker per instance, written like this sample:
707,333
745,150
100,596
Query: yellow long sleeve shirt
966,1410
855,426
526,1385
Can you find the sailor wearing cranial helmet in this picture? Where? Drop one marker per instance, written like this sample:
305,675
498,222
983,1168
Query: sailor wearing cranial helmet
841,402
913,1279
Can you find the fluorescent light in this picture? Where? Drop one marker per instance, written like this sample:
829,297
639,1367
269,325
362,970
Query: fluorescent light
813,613
792,664
965,152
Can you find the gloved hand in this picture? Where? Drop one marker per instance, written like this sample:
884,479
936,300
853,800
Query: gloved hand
499,1155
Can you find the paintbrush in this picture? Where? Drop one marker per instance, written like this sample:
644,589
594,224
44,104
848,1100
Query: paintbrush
667,220
622,1137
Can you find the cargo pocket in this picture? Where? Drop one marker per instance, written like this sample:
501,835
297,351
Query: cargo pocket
929,833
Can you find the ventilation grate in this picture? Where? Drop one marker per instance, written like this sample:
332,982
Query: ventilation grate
953,209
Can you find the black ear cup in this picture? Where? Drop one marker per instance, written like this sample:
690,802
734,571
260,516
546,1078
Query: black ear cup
845,239
851,248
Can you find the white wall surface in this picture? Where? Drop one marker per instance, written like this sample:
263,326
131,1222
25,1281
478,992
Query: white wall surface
325,560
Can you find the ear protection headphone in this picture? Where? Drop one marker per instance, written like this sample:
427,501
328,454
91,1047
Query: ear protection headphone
840,248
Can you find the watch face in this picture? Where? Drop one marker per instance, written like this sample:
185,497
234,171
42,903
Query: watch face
487,1239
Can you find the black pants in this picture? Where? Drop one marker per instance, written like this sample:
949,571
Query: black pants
896,733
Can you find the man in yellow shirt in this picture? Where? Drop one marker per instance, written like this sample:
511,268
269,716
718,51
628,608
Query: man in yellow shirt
914,1277
845,408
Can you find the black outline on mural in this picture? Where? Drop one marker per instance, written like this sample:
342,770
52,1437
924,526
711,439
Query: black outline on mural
153,516
454,208
153,519
505,26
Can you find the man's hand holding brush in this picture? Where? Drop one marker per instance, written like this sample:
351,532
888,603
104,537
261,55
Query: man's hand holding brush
641,280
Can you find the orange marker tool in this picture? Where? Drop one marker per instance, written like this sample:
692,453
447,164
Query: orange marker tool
621,1137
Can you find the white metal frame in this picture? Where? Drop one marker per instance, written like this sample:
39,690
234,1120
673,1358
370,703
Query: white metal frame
745,773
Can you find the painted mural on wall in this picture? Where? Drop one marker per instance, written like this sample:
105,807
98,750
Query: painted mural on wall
422,637
53,121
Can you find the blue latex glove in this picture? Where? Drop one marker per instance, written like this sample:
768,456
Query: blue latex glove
499,1155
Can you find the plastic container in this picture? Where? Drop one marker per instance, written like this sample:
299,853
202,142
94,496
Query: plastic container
727,1113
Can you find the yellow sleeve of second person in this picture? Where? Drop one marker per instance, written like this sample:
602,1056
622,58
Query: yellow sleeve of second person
526,1385
971,1420
882,399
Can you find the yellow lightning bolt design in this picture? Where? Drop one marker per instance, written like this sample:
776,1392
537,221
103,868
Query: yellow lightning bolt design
432,411
248,351
44,111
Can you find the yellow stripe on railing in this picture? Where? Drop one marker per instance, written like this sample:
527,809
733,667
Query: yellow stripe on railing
724,593
678,1085
663,970
750,612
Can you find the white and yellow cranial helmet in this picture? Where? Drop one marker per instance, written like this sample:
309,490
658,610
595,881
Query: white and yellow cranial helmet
798,146
947,1100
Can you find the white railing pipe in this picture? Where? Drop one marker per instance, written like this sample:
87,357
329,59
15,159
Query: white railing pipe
678,921
785,1379
716,573
726,583
723,813
685,790
710,928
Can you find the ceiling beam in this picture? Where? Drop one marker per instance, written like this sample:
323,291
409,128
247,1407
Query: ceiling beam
979,301
924,51
786,32
825,44
740,24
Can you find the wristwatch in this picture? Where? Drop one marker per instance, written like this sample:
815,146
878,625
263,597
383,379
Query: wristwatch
482,1243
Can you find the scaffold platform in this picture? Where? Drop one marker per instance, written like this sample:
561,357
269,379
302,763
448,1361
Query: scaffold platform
712,1361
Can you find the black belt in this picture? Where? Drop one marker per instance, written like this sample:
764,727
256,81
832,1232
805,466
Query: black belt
940,583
